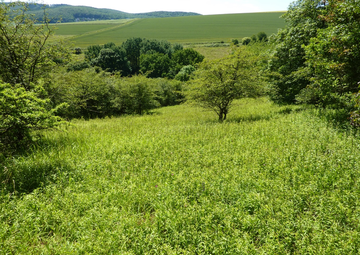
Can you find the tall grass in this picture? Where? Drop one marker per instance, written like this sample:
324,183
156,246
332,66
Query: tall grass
270,180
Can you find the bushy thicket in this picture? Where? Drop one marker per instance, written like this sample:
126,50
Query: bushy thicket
21,112
25,58
152,58
91,93
317,56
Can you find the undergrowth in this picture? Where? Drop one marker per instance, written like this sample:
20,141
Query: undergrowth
269,180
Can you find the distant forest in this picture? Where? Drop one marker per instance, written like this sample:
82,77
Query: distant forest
69,13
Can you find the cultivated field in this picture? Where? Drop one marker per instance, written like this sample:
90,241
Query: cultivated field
192,29
270,180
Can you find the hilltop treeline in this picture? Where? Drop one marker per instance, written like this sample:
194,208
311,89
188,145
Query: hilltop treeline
69,13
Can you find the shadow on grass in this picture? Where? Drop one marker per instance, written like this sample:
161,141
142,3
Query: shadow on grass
249,118
263,117
23,177
336,118
22,171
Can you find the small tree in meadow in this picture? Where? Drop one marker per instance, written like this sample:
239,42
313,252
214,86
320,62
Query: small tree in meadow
218,83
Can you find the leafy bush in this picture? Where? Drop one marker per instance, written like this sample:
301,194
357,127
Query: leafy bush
155,64
87,93
262,37
77,66
77,50
168,92
135,95
355,115
246,40
113,59
235,41
185,73
92,52
21,112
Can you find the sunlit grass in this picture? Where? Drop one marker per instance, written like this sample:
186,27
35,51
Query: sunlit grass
269,180
190,29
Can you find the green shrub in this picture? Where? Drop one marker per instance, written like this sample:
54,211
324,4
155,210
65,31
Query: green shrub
77,51
135,95
185,73
77,66
87,93
246,40
21,112
168,92
235,41
155,64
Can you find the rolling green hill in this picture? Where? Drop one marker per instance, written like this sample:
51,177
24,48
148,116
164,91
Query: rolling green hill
191,29
69,13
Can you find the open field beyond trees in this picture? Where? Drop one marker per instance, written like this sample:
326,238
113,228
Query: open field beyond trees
275,180
191,29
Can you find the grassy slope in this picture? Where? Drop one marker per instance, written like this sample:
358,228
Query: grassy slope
270,180
190,29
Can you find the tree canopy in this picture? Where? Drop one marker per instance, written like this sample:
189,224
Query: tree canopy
25,54
218,83
317,56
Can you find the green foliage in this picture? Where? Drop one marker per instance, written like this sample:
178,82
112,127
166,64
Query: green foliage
187,56
150,57
132,48
92,52
112,60
262,37
77,66
96,94
316,56
136,95
235,41
185,73
218,83
288,71
21,112
87,93
333,56
155,65
246,41
168,92
177,46
355,114
152,46
25,55
77,50
254,38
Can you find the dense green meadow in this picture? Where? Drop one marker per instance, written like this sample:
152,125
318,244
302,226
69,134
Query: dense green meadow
269,180
108,151
191,29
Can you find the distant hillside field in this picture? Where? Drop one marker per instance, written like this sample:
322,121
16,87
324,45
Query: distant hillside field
191,29
70,13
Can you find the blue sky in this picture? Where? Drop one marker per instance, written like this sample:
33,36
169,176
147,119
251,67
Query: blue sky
200,6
